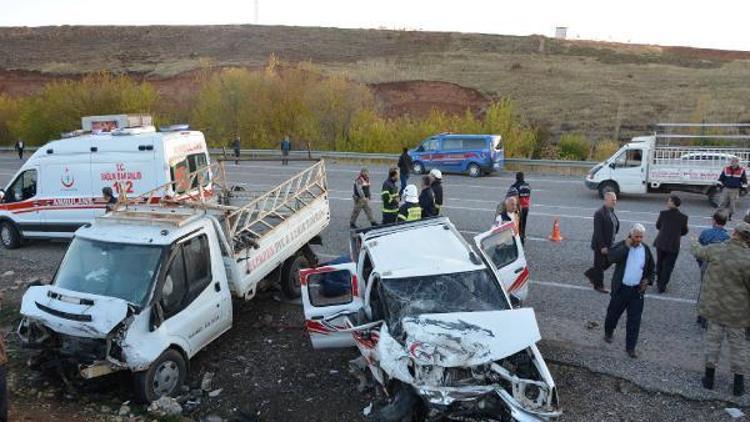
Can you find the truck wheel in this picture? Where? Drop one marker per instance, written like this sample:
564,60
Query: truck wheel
163,378
418,168
714,196
290,275
9,236
608,187
474,170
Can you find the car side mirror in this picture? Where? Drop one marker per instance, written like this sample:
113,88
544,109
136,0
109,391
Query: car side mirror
612,165
156,318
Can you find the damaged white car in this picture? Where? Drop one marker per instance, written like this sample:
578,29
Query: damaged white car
434,324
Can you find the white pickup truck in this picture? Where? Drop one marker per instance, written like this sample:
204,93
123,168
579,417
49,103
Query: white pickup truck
666,162
145,287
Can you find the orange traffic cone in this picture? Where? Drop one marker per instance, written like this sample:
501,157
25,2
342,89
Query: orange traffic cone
556,236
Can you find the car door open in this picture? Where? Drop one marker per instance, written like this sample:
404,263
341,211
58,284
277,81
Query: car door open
502,249
330,294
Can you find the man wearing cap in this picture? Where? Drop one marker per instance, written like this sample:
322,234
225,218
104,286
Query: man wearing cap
732,179
361,197
725,303
389,196
410,210
436,183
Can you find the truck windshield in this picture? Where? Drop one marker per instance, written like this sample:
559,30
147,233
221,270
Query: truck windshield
109,269
440,293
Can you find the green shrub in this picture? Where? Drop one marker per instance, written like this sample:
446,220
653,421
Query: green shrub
574,146
605,149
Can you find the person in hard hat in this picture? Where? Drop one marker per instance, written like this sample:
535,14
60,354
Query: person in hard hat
410,210
436,183
389,196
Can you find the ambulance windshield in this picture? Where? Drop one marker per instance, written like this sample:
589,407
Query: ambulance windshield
110,269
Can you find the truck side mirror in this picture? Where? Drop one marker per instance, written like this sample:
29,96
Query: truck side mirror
612,165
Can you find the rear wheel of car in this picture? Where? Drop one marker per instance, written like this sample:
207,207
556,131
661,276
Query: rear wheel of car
714,196
418,168
163,378
405,406
474,170
290,275
9,235
608,187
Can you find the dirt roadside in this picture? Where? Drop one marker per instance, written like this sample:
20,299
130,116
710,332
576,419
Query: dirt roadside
264,369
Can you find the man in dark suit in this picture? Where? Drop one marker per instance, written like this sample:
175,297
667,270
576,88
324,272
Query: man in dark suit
606,226
672,224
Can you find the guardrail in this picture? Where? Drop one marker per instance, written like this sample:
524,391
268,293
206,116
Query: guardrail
275,153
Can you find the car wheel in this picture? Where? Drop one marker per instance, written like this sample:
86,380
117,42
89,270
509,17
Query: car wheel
714,196
290,275
9,236
403,407
474,170
418,168
608,187
163,378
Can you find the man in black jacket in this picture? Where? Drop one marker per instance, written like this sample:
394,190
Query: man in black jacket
672,224
436,183
634,271
427,198
404,167
606,226
390,197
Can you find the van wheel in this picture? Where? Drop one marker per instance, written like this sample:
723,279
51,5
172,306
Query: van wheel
474,170
418,168
608,187
163,378
290,275
9,236
714,196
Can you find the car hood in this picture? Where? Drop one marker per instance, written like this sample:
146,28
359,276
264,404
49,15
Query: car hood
73,313
465,339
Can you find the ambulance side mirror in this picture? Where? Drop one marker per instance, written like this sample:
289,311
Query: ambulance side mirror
2,194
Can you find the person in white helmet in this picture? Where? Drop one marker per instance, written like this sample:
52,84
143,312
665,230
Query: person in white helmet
437,188
410,210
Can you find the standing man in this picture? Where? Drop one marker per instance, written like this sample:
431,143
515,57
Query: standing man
725,303
286,146
634,271
715,234
410,211
361,198
436,183
404,167
236,146
427,198
606,226
524,203
19,148
732,178
3,375
672,224
390,197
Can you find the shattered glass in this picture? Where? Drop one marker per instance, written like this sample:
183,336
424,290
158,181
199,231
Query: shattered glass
470,291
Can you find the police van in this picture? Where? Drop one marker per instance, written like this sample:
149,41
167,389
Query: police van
474,155
60,187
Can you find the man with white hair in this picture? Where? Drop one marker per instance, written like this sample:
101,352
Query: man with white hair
634,271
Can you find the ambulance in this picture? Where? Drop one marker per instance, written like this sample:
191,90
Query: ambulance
59,188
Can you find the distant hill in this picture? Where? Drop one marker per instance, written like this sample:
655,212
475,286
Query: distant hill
602,89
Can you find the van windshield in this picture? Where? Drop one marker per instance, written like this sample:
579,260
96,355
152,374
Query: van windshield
109,269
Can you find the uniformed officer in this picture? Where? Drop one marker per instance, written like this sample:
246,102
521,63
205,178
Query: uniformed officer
436,183
390,197
410,210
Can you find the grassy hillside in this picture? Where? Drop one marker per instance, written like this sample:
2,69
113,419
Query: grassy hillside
602,89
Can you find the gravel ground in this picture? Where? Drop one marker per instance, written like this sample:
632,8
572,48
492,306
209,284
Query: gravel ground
266,367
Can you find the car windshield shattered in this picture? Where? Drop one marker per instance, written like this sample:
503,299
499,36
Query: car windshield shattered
440,293
109,269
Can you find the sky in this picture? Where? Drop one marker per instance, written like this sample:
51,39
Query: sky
720,24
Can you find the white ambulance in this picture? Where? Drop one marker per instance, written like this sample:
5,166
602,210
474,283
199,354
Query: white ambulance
60,187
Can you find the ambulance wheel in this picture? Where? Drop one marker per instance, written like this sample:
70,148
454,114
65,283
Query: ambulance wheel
290,275
474,170
608,187
418,168
163,378
9,236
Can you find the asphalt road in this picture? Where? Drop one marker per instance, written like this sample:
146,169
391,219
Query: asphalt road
569,312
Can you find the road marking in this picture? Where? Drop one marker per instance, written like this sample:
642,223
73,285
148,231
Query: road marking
575,287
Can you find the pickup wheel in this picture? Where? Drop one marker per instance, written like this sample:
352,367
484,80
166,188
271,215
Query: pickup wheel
9,235
163,378
290,275
608,186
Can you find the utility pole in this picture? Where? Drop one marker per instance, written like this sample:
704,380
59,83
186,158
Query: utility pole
256,3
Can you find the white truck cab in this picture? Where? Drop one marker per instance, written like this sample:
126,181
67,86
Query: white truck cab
145,287
59,188
666,162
